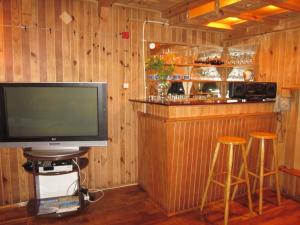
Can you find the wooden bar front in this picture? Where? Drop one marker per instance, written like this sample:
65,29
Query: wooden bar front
176,144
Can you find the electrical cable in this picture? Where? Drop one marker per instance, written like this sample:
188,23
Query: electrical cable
89,190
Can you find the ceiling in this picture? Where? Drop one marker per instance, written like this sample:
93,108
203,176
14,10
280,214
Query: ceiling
230,16
159,5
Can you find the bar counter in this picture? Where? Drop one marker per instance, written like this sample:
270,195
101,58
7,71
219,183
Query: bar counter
202,102
176,143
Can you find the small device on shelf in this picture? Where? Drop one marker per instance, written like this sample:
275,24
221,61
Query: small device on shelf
55,166
252,90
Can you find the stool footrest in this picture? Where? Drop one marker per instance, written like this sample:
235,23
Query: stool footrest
273,172
218,183
238,180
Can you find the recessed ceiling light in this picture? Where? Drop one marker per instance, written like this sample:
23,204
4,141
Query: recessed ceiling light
219,25
226,23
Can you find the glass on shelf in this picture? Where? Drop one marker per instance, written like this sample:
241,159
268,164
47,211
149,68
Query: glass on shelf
241,74
206,73
169,58
240,57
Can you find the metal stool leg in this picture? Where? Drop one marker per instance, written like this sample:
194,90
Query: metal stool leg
228,184
277,172
211,171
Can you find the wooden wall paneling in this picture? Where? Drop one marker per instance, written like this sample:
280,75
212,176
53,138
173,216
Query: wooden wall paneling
15,175
8,54
6,177
115,100
2,66
18,176
129,123
288,59
26,18
50,41
34,57
66,44
41,18
89,52
121,75
104,49
16,41
290,181
95,51
58,42
133,74
275,60
108,53
1,185
295,59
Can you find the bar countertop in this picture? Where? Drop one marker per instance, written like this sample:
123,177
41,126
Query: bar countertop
201,102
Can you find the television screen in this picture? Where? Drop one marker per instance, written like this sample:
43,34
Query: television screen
53,112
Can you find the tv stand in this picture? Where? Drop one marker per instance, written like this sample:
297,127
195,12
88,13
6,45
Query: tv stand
36,156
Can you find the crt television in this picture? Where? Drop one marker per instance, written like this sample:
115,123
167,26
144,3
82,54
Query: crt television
53,115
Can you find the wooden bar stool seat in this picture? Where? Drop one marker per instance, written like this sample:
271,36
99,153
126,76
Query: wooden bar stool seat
261,171
230,179
227,140
263,135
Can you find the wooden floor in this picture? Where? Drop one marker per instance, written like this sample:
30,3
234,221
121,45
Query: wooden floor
131,206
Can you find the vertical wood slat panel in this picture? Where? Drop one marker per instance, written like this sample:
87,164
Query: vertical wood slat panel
181,142
84,50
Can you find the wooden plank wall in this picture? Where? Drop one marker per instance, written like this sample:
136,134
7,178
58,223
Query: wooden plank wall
85,50
279,61
175,156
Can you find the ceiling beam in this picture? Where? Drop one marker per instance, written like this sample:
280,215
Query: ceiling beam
262,28
106,3
285,4
248,17
182,7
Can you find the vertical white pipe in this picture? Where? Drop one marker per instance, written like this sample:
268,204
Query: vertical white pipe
143,50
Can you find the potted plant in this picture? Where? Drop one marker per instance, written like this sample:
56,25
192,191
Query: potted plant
157,65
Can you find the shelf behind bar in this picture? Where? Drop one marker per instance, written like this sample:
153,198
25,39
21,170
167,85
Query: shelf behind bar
198,80
209,65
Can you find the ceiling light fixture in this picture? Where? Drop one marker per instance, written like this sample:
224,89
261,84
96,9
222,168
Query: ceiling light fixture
226,23
219,25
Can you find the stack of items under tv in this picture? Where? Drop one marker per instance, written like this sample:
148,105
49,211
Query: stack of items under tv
58,205
60,201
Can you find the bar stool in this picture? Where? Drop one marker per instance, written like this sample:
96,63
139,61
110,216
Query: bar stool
230,142
261,171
